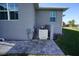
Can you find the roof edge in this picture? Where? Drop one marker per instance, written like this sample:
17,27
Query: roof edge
53,8
36,5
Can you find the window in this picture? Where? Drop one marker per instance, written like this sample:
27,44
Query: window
53,16
8,11
3,11
52,19
3,15
13,15
3,6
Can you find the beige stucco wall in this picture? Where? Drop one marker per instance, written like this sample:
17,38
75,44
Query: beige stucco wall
58,23
42,17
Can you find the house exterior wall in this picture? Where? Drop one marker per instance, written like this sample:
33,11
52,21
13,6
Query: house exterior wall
58,24
17,30
43,18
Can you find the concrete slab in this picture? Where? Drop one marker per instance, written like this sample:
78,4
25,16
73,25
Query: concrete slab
47,47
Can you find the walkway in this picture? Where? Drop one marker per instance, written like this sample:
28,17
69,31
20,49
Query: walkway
47,47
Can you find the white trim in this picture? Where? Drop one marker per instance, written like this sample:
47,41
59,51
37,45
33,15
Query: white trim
8,13
9,20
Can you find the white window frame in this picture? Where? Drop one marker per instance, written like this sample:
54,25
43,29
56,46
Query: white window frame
8,14
51,14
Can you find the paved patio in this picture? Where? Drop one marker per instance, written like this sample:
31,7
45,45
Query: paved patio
47,47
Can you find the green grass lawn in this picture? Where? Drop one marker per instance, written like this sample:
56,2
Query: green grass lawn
72,28
69,42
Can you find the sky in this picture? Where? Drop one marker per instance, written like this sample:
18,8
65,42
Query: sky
71,13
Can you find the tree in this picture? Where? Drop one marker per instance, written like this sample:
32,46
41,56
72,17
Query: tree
71,23
64,24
